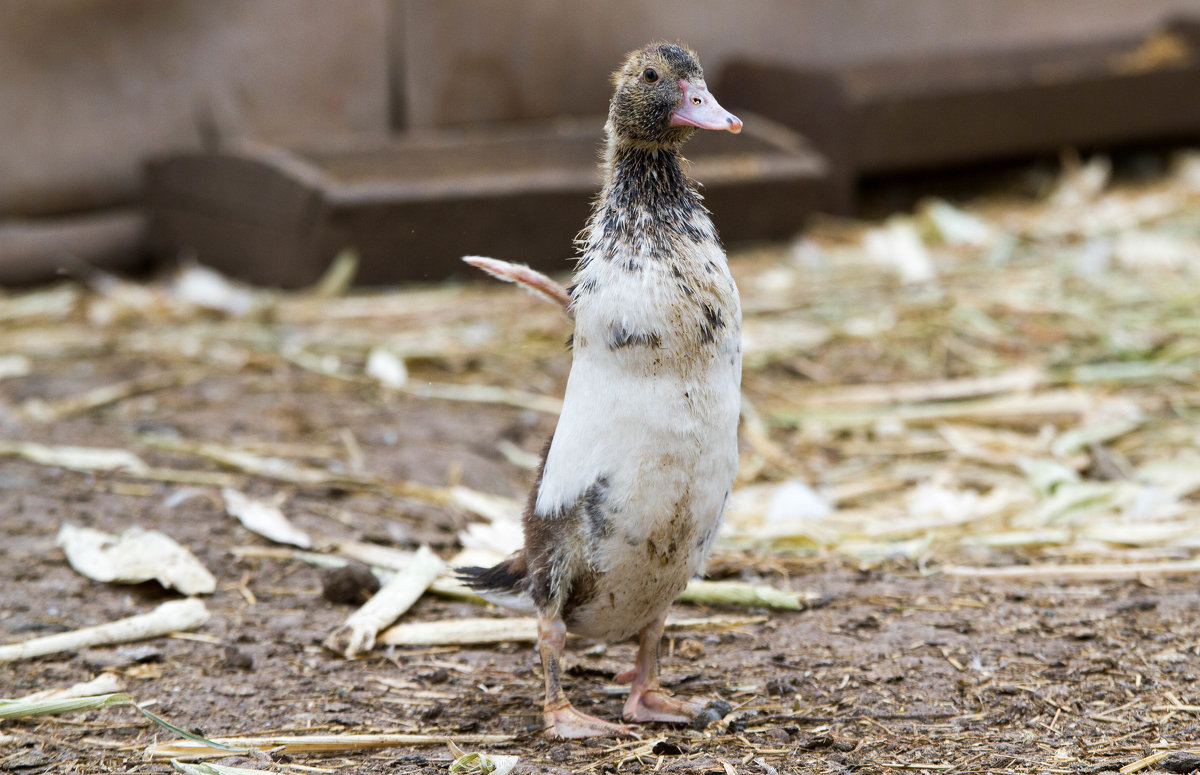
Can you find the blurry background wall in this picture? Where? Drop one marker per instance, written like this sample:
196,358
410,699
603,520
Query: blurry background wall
91,88
466,60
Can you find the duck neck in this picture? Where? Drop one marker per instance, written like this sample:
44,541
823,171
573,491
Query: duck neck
630,167
648,207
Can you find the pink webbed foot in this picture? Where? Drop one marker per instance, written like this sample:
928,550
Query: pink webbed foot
647,700
654,704
561,718
566,721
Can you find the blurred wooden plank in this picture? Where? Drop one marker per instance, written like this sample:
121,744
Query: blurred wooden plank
911,113
413,205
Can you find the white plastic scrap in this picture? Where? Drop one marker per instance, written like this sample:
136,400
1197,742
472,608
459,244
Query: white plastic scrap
898,246
1187,170
209,289
957,227
790,514
134,556
265,519
14,366
795,501
487,505
503,536
1155,251
1081,183
386,367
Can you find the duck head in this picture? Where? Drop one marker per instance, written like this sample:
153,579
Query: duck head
661,99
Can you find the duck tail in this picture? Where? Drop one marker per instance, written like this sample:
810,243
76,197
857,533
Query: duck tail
505,583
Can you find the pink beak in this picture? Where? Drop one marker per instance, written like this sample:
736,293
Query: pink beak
700,109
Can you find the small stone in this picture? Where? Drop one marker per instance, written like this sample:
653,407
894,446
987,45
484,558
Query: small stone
713,711
690,649
667,748
438,676
235,761
352,584
1181,762
778,735
238,659
140,654
777,687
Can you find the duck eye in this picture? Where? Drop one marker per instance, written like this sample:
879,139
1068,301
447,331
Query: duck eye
650,75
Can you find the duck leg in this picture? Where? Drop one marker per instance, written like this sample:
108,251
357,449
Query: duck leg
561,717
647,700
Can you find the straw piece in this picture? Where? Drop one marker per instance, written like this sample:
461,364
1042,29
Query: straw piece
172,616
263,518
484,394
25,708
214,769
49,304
712,623
105,683
375,554
339,277
184,476
293,744
1144,762
50,411
1093,572
739,593
491,507
250,463
462,632
1014,381
465,632
1055,407
82,459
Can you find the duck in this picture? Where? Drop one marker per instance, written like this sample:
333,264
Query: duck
633,482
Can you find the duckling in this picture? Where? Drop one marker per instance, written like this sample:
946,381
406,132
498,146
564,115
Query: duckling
635,478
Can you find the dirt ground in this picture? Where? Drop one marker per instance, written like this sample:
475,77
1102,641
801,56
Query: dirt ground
890,669
892,665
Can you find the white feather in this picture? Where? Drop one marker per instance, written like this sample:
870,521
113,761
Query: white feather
658,423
